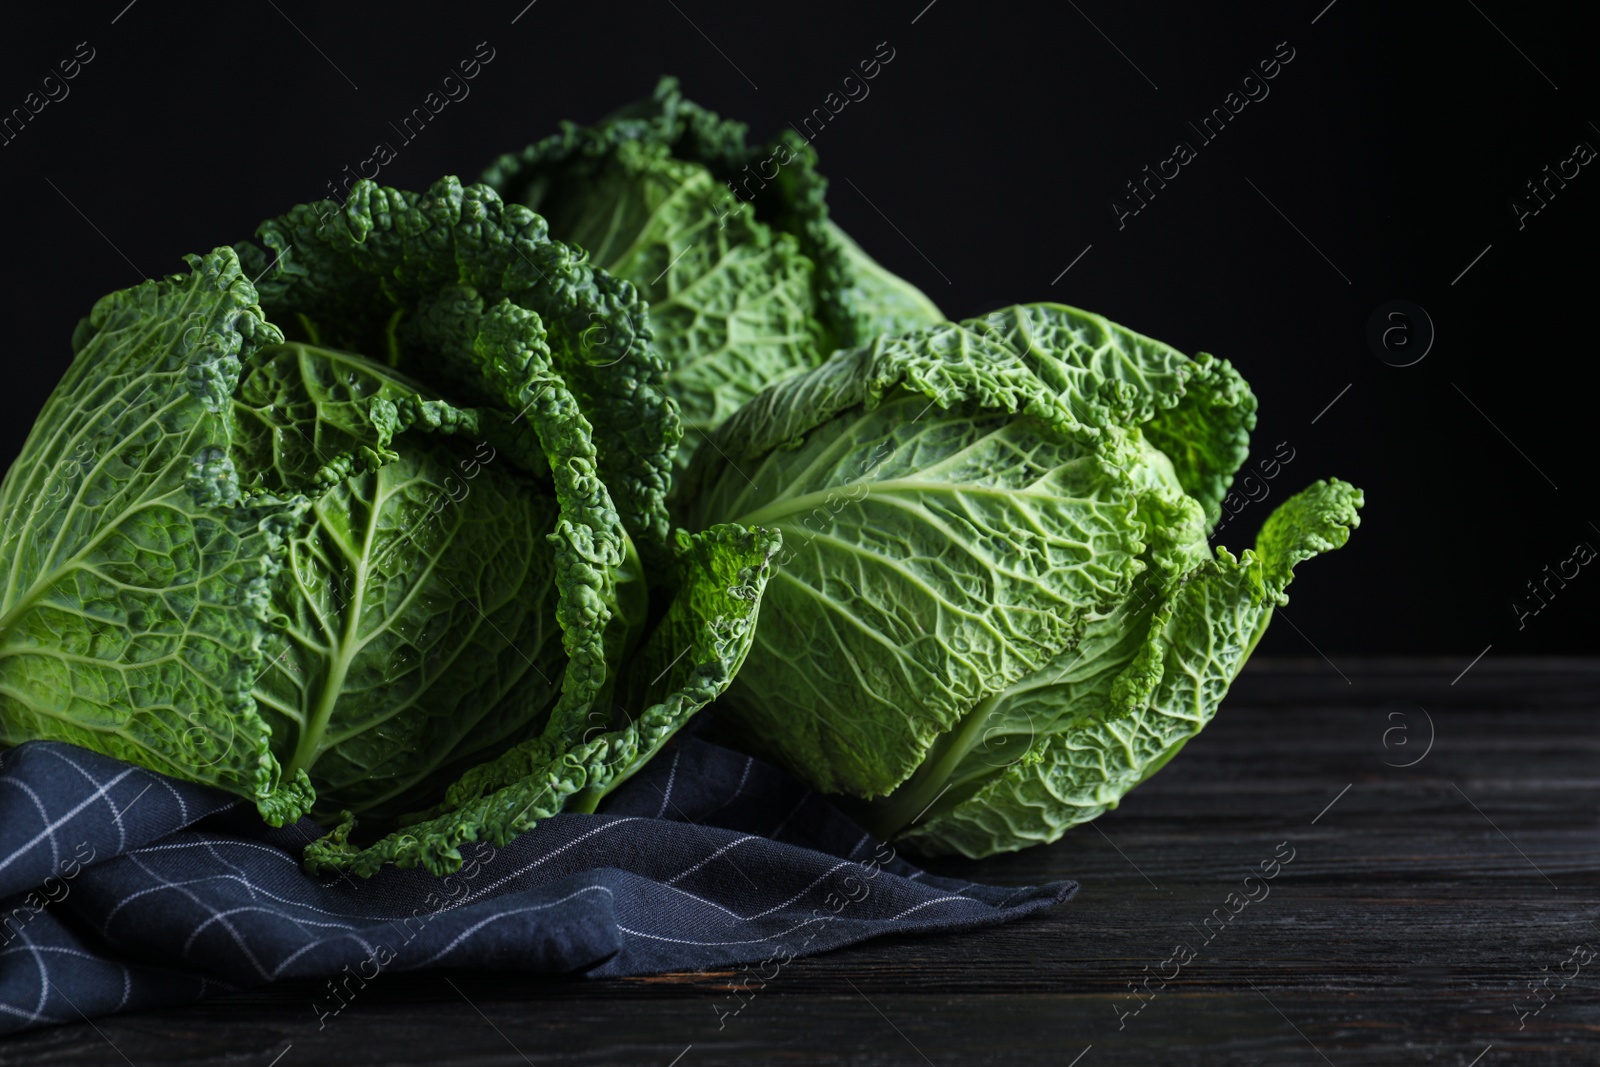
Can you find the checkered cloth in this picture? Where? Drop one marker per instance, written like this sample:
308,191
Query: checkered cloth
123,889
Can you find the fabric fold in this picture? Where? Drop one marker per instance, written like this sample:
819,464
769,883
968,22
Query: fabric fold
123,889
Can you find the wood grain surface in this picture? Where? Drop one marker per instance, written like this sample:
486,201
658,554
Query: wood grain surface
1439,907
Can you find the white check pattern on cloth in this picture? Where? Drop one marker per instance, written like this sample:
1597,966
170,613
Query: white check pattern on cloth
121,889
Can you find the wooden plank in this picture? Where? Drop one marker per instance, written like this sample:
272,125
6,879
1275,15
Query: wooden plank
1406,928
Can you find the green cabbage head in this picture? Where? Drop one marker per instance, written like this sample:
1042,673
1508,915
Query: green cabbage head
354,520
996,610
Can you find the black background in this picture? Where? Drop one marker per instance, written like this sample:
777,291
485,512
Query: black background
990,147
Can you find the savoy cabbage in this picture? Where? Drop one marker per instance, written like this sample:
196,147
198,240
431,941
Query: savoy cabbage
996,610
250,542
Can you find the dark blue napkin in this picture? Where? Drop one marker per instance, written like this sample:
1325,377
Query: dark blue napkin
123,889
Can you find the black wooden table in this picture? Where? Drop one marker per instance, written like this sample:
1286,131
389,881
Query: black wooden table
1432,853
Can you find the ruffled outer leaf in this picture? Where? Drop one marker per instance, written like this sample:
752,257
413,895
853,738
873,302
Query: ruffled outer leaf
1075,370
419,608
687,662
1198,411
136,599
1196,640
390,270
